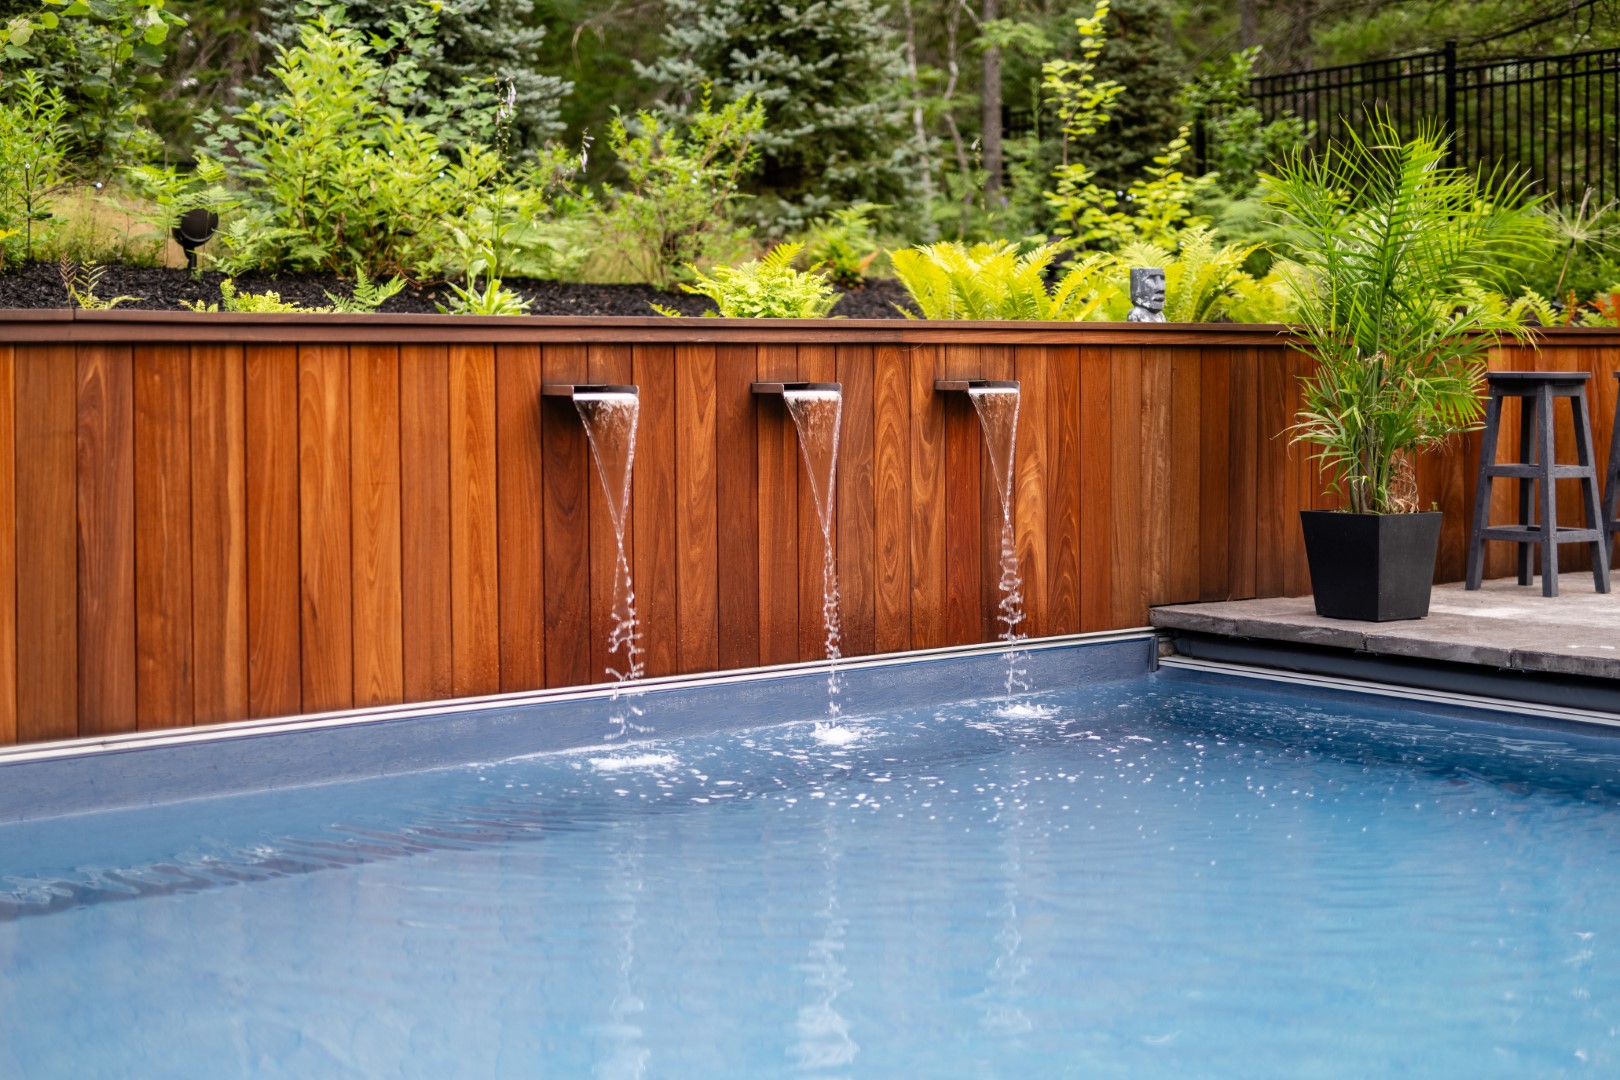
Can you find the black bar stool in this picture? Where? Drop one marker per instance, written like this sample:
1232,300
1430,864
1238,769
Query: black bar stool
1538,464
1611,486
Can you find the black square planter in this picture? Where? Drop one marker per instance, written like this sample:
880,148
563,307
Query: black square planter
1372,567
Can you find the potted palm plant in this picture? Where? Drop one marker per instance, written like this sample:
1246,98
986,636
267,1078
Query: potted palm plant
1398,310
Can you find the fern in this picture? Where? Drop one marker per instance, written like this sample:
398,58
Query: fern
81,282
250,303
992,281
766,289
367,296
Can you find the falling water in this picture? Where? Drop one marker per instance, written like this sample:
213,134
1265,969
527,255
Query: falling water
610,425
816,413
998,416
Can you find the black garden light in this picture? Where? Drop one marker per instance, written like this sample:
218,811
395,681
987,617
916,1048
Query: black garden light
195,229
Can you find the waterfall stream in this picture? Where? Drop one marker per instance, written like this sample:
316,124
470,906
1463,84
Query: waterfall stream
816,413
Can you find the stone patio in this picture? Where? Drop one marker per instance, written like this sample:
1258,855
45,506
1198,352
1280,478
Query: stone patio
1504,626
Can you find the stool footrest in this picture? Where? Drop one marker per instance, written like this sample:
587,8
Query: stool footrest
1536,472
1522,534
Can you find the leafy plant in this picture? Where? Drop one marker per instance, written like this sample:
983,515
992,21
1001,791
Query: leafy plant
993,281
103,54
367,295
490,298
769,288
231,300
31,159
680,184
81,280
1239,138
842,244
1200,279
1605,309
1154,209
1395,241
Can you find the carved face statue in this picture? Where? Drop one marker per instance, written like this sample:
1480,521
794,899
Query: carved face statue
1147,288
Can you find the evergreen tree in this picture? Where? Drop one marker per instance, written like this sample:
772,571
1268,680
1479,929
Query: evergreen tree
832,78
1140,54
460,63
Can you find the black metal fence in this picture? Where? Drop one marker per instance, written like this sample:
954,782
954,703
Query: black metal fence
1556,117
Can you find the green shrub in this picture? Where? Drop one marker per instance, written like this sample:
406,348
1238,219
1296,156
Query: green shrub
768,288
171,194
681,181
231,300
992,281
489,298
1200,279
338,179
31,162
842,244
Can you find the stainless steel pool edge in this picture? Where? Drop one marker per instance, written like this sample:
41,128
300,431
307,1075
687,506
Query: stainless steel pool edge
1408,694
242,729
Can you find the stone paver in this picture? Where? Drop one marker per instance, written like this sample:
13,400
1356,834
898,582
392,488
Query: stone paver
1503,625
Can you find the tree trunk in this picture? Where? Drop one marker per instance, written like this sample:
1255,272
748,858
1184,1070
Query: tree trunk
1249,23
990,121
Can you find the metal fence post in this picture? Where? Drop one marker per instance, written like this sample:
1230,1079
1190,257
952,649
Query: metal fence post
1451,105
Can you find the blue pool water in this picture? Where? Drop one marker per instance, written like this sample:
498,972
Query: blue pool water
1160,876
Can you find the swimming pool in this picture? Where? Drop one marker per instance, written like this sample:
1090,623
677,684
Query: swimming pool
1135,874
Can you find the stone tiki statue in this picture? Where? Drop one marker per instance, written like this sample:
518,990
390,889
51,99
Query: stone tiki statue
1147,294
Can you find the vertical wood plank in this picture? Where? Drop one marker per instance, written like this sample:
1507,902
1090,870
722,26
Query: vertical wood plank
778,513
106,544
565,479
275,664
427,649
1089,517
696,515
1299,473
1158,423
326,611
1273,492
1215,465
1029,485
474,567
1182,493
519,451
165,571
219,639
737,443
653,509
928,510
1244,444
1129,544
47,578
379,659
891,486
8,548
964,547
857,510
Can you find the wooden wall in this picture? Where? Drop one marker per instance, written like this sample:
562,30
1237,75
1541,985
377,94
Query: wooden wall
211,525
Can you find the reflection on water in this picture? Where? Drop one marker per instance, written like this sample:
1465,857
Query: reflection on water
822,1040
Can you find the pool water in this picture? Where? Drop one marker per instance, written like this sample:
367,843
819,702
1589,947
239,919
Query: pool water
1161,876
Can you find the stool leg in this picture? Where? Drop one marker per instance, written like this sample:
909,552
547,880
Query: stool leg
1527,433
1589,492
1482,493
1549,493
1611,483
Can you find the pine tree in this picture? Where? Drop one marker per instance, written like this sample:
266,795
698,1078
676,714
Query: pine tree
832,77
473,54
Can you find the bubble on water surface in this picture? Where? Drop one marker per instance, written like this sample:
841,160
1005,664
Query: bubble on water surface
621,762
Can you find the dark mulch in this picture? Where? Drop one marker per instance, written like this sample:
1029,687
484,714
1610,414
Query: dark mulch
39,285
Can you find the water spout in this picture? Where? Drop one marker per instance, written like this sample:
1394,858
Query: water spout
610,415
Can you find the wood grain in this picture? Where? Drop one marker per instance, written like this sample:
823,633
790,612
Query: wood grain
47,578
379,659
1030,484
474,533
1157,491
737,498
219,639
427,648
1129,531
1183,493
653,510
519,454
696,508
1213,471
612,364
891,496
857,508
1274,493
817,363
1080,433
1244,442
964,506
565,481
928,501
106,544
778,513
8,548
275,647
324,564
165,567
